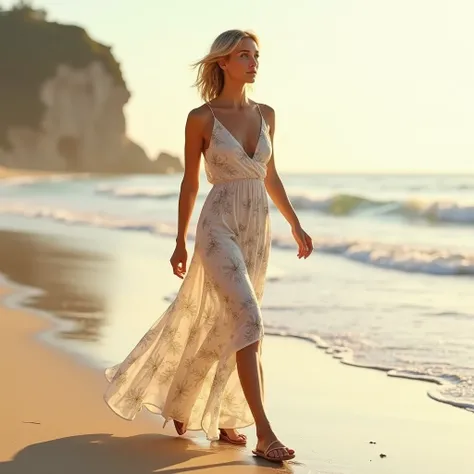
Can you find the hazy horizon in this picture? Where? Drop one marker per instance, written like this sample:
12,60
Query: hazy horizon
366,87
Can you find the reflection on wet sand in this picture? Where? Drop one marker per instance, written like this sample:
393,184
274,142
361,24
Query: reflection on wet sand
70,279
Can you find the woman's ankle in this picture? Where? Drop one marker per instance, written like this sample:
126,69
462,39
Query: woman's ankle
264,430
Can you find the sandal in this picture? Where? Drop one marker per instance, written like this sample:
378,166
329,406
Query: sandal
265,454
223,436
179,426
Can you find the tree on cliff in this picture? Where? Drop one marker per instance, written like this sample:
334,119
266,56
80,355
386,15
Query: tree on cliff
61,100
31,48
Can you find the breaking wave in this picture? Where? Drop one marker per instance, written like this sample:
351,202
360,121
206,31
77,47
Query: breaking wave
336,205
396,257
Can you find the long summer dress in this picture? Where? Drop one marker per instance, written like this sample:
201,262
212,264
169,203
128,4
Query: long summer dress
184,367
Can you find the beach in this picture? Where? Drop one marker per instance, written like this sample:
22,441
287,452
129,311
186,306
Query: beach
11,173
339,418
367,345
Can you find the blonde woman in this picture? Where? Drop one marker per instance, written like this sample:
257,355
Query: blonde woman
199,364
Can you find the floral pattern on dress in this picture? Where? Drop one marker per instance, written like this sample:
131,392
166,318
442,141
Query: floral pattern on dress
184,367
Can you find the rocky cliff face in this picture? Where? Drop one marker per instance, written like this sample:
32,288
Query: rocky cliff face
78,124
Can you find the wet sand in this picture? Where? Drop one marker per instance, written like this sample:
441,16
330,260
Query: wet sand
53,420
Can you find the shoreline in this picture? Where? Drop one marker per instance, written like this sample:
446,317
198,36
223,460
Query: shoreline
344,358
20,293
53,412
144,433
18,174
348,361
6,172
14,174
41,430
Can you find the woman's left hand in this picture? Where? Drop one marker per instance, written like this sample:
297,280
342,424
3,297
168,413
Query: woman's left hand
305,244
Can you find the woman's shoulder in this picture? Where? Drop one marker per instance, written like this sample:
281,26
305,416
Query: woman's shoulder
266,108
201,112
200,116
268,113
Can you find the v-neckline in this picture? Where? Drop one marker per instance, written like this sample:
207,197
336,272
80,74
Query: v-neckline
237,141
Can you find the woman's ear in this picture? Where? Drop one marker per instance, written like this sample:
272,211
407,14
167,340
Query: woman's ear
221,63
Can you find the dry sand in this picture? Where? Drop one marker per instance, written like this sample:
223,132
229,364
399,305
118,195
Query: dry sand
11,172
339,419
53,418
19,175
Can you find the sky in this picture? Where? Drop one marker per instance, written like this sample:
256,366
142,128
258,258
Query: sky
357,86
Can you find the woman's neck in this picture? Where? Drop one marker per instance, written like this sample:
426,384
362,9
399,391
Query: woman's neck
233,96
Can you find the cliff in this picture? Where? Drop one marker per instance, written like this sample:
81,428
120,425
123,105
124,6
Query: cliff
62,96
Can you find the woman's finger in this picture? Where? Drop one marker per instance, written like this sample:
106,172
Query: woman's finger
176,268
301,242
304,244
309,244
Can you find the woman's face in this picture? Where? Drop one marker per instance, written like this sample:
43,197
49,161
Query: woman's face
242,64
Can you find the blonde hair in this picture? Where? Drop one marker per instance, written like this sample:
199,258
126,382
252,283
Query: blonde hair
210,76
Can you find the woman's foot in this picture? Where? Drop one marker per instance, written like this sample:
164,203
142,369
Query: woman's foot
271,448
232,436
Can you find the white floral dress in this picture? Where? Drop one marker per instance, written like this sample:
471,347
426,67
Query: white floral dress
184,367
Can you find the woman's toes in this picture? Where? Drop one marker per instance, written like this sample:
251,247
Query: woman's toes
278,453
234,435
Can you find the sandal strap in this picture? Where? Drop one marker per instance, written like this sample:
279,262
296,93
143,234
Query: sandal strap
270,449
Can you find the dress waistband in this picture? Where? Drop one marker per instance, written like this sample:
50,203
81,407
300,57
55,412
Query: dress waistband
233,180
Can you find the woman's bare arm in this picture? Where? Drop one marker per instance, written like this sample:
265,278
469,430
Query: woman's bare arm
190,182
273,183
189,187
278,195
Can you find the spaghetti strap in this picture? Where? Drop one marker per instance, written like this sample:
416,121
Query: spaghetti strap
207,103
184,367
212,110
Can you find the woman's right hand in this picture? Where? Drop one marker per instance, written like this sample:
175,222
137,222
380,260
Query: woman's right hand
178,260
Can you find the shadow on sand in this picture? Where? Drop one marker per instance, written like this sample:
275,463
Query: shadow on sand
103,453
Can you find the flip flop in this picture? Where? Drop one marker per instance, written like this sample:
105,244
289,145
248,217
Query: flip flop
179,426
265,454
224,437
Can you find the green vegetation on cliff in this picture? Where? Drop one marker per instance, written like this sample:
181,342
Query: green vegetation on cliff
31,49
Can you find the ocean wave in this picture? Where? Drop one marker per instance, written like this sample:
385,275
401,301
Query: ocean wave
137,192
25,180
394,257
351,204
336,205
453,386
92,219
401,257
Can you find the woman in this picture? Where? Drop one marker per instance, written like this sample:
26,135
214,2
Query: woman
199,364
